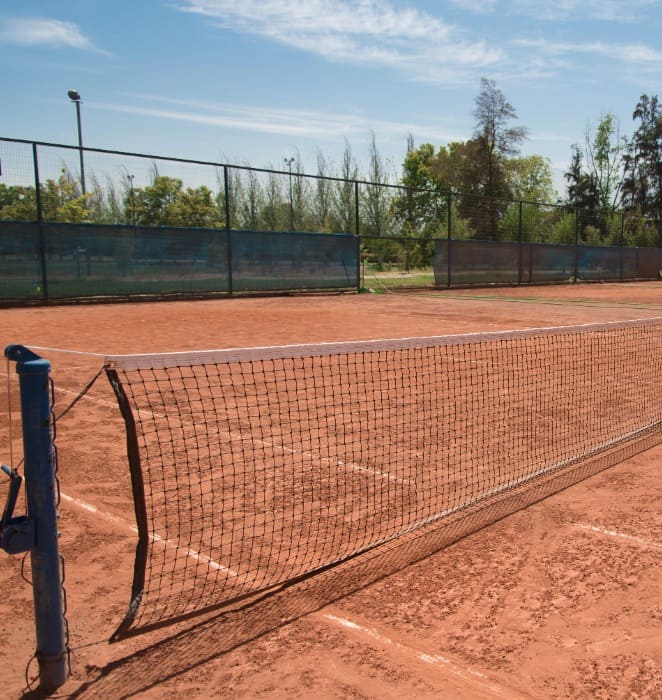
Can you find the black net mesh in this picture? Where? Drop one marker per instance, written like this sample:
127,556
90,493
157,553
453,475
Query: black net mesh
254,468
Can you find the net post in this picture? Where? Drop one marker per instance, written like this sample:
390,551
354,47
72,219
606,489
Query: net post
41,497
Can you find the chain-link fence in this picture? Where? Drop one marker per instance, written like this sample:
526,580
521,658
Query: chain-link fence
93,222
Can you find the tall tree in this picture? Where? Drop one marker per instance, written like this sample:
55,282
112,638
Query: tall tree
457,167
377,196
323,197
583,191
604,152
530,179
595,174
643,161
421,206
344,191
495,139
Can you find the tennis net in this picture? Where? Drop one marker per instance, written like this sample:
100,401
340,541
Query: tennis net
252,468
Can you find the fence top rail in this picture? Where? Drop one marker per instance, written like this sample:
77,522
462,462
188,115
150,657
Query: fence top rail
250,168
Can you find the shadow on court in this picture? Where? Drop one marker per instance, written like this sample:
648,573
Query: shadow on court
224,631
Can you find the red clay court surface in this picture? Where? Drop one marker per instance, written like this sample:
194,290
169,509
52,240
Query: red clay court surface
559,600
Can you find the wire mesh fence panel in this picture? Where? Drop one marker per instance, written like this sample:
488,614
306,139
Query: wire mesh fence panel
261,201
599,263
271,261
21,273
629,258
484,218
543,223
376,212
389,263
88,260
401,227
649,263
552,263
477,262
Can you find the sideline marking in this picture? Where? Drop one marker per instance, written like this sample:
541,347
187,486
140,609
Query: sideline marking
465,673
238,437
620,535
116,520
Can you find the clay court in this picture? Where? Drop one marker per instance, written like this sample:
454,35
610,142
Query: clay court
558,599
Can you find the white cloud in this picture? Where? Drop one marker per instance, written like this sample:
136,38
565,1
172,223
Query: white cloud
626,53
36,31
479,7
367,32
286,122
605,10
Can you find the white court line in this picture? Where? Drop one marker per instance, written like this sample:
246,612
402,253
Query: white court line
463,672
620,535
153,537
348,466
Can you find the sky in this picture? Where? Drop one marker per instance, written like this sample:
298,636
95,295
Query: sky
257,81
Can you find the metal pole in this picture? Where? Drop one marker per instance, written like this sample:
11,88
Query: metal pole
358,264
228,225
40,487
357,216
80,148
622,242
574,281
289,162
449,240
519,238
74,96
40,225
226,194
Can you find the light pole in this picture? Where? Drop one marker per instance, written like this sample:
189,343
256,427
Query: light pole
74,96
288,162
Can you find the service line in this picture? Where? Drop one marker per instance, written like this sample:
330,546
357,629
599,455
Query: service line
619,535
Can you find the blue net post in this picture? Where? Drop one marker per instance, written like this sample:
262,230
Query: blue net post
41,497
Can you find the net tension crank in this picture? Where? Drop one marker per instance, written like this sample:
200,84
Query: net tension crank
16,533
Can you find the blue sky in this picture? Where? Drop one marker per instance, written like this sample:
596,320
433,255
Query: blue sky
255,81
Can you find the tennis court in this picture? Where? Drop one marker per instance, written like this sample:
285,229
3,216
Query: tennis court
560,599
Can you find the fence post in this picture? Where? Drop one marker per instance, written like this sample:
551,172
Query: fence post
40,225
449,239
622,242
574,278
519,238
228,224
358,264
226,192
356,208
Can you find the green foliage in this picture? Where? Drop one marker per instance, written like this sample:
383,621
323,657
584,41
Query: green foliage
530,179
643,161
509,224
166,203
17,203
495,139
564,229
61,201
639,230
481,186
421,208
591,235
461,228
